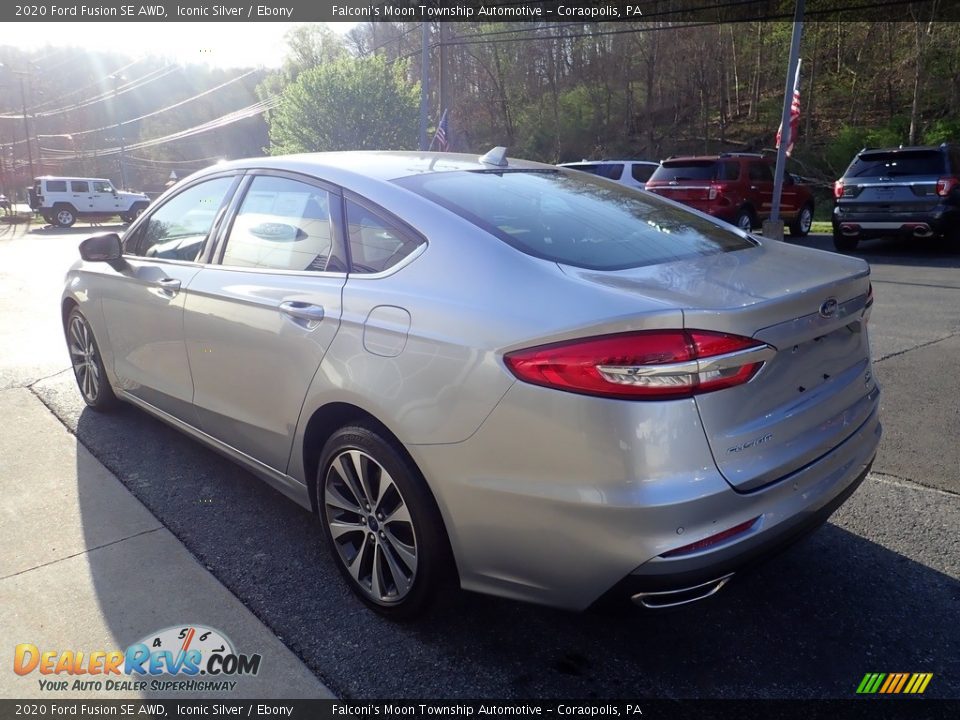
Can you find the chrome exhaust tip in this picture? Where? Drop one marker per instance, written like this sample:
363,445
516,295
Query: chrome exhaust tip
922,231
662,599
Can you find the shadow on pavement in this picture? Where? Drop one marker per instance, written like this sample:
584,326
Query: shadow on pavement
810,623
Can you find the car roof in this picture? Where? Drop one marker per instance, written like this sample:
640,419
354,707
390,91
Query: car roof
68,177
376,164
601,162
909,148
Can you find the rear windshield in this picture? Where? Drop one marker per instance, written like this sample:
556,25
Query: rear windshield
574,219
696,170
893,164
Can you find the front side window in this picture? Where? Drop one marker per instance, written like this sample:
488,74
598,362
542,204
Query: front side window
79,186
574,219
102,187
283,224
376,244
178,229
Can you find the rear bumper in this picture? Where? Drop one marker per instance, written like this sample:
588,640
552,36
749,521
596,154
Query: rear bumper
937,222
558,498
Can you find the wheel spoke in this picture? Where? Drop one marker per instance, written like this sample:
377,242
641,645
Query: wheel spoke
386,482
400,579
338,528
399,514
349,474
376,581
334,498
354,565
406,553
365,468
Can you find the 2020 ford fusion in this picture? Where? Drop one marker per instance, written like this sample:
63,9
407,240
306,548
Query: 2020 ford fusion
525,380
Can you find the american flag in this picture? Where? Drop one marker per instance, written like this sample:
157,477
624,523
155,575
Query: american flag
441,137
794,113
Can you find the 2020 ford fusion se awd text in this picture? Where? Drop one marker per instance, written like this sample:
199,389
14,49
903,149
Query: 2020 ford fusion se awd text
517,378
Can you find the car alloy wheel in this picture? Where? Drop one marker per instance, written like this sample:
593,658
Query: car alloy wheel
87,364
370,526
65,218
745,221
806,220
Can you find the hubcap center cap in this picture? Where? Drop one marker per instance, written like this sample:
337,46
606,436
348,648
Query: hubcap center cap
373,524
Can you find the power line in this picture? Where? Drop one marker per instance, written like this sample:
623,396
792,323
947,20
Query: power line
112,126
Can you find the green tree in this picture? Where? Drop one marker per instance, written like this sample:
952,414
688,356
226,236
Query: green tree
350,104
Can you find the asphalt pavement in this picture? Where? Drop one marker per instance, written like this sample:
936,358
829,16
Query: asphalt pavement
875,590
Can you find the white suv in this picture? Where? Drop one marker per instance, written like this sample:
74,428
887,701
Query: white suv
64,200
632,173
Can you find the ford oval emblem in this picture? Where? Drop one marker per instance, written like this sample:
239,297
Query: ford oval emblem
829,307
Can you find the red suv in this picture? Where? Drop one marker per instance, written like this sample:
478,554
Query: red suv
736,187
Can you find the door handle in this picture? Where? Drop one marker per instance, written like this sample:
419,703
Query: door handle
169,286
309,314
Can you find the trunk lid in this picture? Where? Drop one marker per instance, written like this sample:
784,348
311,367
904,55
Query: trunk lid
818,388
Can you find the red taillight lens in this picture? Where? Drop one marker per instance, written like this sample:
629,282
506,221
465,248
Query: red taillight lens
714,192
713,539
838,189
647,365
945,185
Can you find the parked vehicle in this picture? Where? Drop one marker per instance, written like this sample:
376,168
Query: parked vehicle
64,200
495,373
632,173
905,191
735,187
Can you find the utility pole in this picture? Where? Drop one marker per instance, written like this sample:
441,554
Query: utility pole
424,81
26,126
775,223
116,108
445,100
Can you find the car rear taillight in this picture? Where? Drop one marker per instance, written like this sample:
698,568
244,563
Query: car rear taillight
945,185
713,539
714,192
646,365
838,189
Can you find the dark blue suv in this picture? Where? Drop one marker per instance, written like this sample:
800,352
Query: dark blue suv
906,191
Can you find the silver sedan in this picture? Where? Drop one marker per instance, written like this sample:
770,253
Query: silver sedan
490,373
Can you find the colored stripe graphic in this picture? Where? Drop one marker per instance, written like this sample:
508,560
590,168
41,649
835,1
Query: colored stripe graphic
894,683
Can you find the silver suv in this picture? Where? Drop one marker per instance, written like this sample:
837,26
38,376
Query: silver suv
64,200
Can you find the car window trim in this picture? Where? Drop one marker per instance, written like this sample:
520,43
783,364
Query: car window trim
402,225
138,225
233,209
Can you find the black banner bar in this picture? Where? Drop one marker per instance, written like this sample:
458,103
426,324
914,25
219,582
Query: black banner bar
874,708
643,11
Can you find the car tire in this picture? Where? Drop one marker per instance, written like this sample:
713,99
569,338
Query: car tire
400,567
134,213
88,364
843,243
745,220
801,225
64,215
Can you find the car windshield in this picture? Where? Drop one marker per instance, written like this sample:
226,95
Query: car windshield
897,163
576,219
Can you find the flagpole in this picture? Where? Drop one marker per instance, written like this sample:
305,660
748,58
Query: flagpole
785,119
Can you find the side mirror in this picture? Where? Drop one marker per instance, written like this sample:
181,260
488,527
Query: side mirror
101,248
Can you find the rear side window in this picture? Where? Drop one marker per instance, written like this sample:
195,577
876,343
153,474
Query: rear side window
56,186
376,244
642,172
611,171
79,186
282,224
761,172
574,219
897,163
687,170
